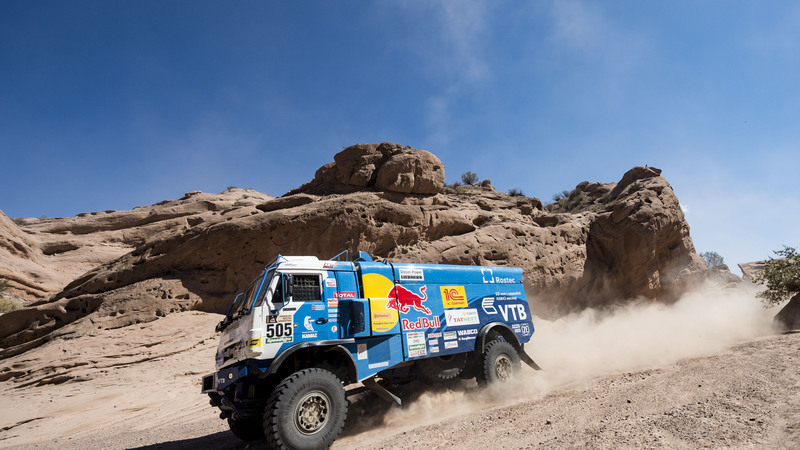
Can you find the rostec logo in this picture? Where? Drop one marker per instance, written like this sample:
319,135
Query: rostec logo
453,296
344,294
401,299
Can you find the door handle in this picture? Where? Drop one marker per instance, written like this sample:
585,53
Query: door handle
322,321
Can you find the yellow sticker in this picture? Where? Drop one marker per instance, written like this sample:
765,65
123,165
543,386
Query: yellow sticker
254,342
453,296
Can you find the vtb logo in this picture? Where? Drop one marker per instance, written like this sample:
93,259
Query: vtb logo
402,299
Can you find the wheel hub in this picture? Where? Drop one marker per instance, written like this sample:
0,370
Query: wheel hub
312,412
503,368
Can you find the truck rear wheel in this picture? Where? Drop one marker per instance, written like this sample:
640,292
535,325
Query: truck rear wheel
248,430
306,411
500,363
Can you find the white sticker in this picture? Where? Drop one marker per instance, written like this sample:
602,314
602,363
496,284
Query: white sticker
416,344
362,351
461,317
330,282
451,344
411,275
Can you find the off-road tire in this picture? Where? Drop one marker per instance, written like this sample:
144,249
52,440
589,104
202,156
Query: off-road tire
442,368
500,363
248,430
306,411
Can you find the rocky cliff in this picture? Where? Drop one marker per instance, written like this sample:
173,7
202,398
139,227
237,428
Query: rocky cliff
601,244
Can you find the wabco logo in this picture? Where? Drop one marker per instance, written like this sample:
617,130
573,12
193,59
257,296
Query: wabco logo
453,296
401,299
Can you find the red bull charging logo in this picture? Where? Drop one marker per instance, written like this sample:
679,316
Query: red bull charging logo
402,299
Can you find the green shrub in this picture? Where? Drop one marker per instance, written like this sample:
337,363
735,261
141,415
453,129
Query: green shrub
469,177
19,221
514,192
782,276
7,305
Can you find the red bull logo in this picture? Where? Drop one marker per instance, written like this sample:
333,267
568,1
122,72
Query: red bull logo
402,299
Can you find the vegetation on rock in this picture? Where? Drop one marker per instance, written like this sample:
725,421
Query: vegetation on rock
712,259
781,275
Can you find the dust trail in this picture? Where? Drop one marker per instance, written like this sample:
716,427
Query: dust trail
583,346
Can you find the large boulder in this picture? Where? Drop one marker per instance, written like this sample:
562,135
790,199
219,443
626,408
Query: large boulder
386,167
788,319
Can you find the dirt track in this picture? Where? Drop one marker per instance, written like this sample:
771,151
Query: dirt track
744,394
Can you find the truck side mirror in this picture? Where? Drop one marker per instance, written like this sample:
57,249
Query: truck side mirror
288,286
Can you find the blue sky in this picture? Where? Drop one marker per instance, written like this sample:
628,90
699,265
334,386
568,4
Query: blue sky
111,105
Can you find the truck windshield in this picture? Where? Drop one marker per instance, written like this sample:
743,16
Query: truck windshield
243,303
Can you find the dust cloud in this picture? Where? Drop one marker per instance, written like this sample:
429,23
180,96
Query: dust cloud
579,347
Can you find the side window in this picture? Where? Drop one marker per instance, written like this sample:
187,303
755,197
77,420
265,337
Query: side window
306,288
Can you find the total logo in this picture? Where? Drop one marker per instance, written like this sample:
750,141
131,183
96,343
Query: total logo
401,299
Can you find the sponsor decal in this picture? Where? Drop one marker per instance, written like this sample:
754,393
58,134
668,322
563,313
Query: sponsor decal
318,307
278,332
487,273
526,329
450,344
307,335
344,294
435,349
333,302
308,322
453,297
362,351
450,335
383,321
333,329
416,344
330,282
461,317
379,365
421,323
408,274
504,280
254,342
433,342
402,299
470,332
515,312
284,319
328,265
434,335
488,305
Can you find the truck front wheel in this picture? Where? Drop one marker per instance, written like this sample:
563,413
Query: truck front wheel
306,411
500,362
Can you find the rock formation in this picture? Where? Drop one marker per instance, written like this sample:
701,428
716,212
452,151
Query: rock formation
604,244
788,318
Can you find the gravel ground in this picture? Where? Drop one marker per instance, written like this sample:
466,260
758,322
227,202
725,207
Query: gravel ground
745,397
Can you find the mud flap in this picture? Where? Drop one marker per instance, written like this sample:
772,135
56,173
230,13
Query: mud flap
381,391
527,359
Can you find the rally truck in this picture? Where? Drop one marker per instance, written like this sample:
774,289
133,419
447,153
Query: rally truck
306,328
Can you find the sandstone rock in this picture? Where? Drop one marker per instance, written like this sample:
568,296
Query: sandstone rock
788,319
385,166
751,269
197,252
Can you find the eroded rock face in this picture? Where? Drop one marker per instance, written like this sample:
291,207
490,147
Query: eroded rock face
386,167
612,243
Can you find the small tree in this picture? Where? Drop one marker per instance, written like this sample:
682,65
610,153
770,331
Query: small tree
469,177
712,259
782,276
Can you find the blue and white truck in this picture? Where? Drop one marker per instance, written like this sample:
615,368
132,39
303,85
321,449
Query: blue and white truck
306,328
